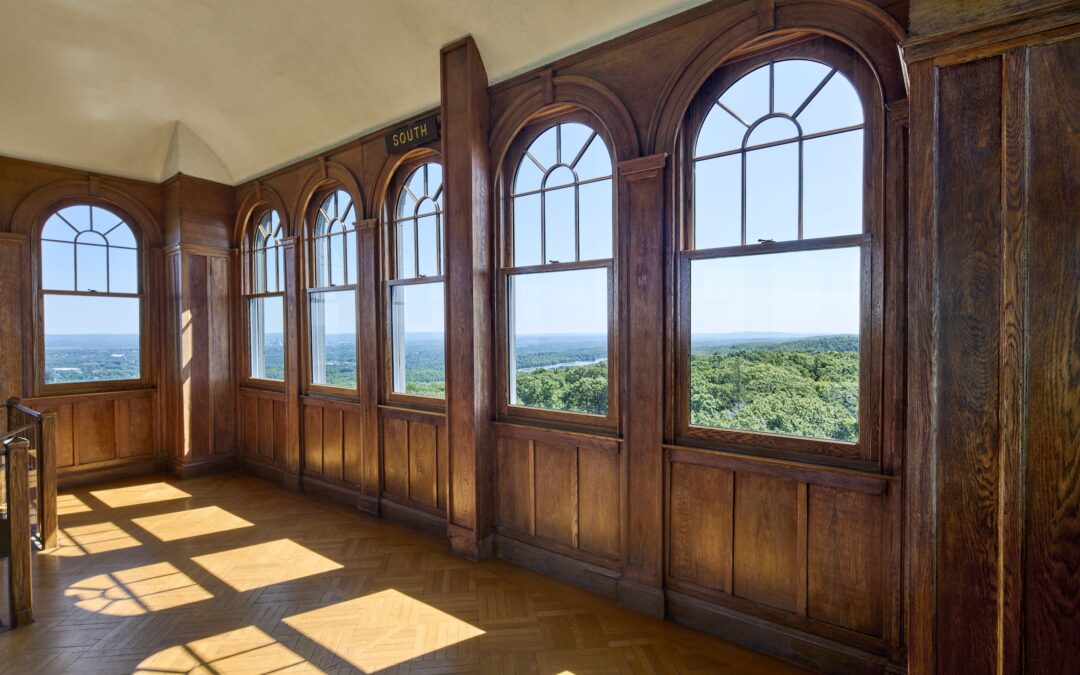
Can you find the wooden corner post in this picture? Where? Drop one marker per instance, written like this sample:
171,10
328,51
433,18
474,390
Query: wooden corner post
469,236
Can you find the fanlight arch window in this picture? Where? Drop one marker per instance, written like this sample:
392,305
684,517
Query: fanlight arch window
332,292
774,276
557,275
90,295
416,289
265,297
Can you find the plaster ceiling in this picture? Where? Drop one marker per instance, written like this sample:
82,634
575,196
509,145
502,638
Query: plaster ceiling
230,89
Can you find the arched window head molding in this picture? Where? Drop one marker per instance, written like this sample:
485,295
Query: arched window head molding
864,27
258,199
553,95
36,207
326,175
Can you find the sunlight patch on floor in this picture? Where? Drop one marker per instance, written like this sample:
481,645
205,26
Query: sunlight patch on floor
136,591
265,564
134,495
191,523
245,650
384,629
81,540
67,505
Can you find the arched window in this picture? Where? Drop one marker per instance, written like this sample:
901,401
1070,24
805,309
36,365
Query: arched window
416,289
265,298
775,280
332,291
91,293
557,275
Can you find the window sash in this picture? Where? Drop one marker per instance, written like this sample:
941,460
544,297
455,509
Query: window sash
397,370
256,339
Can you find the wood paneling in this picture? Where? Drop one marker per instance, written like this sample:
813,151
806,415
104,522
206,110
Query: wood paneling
968,348
844,559
514,508
414,458
700,525
766,551
1051,606
423,469
95,431
135,424
313,438
556,493
599,528
395,468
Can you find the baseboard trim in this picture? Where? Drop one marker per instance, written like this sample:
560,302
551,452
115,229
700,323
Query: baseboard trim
593,578
810,651
336,493
286,479
641,598
78,478
415,519
203,467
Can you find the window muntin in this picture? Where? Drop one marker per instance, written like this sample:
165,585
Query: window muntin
265,299
332,312
416,288
90,297
557,280
774,284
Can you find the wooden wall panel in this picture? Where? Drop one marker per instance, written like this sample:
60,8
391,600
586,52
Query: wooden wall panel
395,467
556,492
266,428
599,523
766,552
423,459
352,429
700,525
1051,546
135,424
278,423
250,422
442,457
313,438
968,348
65,435
844,558
514,484
220,356
95,431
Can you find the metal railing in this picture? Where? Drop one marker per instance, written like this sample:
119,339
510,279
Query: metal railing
28,516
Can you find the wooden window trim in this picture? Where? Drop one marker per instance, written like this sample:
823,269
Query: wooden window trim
247,282
145,379
864,453
505,411
391,281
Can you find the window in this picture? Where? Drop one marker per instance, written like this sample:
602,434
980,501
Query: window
557,276
416,289
774,273
265,299
332,292
90,297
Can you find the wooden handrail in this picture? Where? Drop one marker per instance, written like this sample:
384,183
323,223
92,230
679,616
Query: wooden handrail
44,424
15,403
20,585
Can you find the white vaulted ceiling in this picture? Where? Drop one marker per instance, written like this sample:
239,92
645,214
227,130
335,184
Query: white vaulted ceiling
101,85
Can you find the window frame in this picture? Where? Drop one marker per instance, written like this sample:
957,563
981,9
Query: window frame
391,281
145,379
867,448
248,294
505,269
310,289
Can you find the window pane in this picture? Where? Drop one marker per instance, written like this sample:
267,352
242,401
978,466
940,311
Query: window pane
57,266
90,272
559,225
274,277
527,230
720,132
266,316
428,242
418,336
837,105
596,162
333,338
718,202
123,270
596,231
121,235
406,249
558,350
57,229
749,96
772,193
774,342
793,81
832,185
91,339
337,260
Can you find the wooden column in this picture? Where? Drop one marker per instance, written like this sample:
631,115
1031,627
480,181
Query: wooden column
293,386
20,571
641,218
469,237
200,420
994,311
14,286
368,288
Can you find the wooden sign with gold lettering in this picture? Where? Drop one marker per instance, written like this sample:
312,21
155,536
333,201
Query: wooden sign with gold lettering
412,135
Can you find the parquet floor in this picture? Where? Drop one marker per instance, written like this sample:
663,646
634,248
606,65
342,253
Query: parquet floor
230,574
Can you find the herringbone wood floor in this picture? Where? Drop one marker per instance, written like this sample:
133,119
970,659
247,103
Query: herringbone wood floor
231,574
